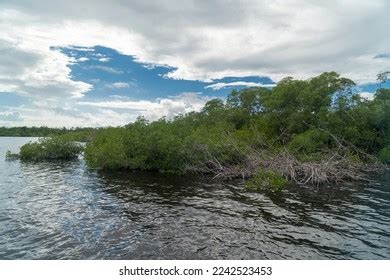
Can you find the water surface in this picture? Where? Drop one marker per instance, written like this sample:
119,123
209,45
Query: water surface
62,210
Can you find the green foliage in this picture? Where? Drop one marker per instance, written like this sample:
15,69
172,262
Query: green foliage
250,100
311,118
141,145
11,156
78,136
107,150
310,142
264,180
50,149
213,106
213,142
296,106
384,155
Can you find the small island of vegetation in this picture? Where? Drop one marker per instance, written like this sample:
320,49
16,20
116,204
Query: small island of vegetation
55,148
314,131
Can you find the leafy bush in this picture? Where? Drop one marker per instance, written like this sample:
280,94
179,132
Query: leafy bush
384,155
107,149
309,142
213,143
264,180
11,156
50,149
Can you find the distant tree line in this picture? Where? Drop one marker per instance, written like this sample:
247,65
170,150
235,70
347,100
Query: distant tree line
78,133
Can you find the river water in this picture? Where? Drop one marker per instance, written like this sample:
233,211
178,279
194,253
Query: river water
63,210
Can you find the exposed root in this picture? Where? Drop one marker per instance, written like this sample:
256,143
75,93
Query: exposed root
334,168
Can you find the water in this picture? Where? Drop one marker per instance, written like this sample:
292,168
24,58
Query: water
65,211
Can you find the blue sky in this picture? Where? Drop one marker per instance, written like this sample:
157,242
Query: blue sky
61,66
114,74
111,73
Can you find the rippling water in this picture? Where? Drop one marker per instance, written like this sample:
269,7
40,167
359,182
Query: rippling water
65,211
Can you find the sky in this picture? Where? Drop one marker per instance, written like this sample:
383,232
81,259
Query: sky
104,63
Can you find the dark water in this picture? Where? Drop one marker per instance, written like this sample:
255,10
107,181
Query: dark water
65,211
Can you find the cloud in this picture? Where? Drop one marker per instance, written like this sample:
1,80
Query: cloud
383,56
42,114
103,68
37,73
119,85
366,95
10,117
213,39
82,49
169,107
104,59
219,86
82,59
118,110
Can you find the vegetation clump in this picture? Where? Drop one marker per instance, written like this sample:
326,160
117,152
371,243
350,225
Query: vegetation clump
54,148
314,131
264,180
11,156
384,155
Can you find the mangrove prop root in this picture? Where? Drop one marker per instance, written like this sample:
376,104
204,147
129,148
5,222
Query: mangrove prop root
334,168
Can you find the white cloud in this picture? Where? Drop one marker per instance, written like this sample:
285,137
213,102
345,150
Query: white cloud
214,39
10,117
366,95
83,49
82,59
152,110
103,68
42,114
30,69
218,86
118,110
119,85
104,59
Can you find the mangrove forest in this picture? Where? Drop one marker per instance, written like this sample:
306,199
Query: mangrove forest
314,131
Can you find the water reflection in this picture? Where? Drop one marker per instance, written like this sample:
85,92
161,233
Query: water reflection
63,210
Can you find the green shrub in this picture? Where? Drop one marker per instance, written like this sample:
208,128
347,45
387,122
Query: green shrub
142,146
384,155
50,149
387,139
78,136
265,180
11,156
107,150
309,142
214,143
